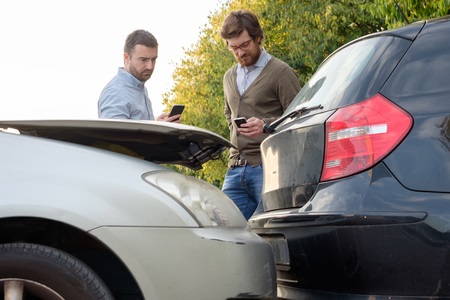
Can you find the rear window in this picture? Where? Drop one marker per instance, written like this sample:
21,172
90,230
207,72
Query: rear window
355,72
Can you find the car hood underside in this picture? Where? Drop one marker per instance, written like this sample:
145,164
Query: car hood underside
155,141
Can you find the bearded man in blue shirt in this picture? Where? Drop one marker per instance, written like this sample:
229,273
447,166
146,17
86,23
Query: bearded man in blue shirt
125,96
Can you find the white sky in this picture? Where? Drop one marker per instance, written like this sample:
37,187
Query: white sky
58,54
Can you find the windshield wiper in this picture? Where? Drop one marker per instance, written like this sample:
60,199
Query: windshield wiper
269,128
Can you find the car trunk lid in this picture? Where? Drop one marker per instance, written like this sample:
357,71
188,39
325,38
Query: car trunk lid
292,161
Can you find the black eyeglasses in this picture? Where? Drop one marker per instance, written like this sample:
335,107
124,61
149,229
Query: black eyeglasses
244,46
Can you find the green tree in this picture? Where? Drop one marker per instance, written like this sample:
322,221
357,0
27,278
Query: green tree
198,85
392,11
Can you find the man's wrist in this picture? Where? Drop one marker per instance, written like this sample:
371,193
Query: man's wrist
267,128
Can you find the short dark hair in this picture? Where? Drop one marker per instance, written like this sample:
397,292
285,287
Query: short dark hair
238,21
139,37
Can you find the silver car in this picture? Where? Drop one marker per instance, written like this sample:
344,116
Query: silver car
89,211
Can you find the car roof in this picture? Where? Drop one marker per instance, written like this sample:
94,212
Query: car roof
155,141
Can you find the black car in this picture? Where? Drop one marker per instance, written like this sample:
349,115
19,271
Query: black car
357,172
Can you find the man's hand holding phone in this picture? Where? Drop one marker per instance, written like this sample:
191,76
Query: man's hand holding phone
239,121
251,127
174,114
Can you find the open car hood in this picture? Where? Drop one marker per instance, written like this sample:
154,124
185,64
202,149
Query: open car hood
155,141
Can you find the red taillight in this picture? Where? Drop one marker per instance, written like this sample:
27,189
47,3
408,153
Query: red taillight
360,135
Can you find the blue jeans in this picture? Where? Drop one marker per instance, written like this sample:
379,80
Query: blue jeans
243,185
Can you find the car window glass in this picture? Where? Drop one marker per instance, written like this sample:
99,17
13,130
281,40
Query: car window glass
335,75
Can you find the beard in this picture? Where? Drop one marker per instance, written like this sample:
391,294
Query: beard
249,57
141,76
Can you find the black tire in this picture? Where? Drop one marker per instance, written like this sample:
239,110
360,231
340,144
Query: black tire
45,272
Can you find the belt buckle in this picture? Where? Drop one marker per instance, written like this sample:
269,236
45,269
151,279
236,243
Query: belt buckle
241,161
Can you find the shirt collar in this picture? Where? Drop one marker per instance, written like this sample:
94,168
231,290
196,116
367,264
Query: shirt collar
130,78
262,61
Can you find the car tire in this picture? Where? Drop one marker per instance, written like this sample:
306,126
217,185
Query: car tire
31,271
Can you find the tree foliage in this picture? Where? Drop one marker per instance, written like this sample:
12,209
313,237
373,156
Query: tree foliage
302,33
394,12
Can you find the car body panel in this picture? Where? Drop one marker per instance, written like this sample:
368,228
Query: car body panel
286,184
423,95
44,178
206,255
61,188
347,228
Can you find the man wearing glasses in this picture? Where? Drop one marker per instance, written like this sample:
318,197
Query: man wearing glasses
258,88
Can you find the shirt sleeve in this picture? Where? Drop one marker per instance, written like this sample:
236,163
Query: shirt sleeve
112,106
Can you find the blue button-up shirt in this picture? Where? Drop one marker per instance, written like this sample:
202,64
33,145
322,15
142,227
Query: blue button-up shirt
125,97
246,75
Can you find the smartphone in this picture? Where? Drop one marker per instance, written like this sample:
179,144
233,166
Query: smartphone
239,121
177,109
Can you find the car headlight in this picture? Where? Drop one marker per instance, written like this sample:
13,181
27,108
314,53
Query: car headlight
206,203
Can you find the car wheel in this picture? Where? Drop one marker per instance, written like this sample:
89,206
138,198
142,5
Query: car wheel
30,271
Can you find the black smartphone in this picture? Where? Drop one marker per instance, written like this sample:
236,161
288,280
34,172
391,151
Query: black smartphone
177,109
239,121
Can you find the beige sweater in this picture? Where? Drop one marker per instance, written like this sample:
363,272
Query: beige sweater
266,98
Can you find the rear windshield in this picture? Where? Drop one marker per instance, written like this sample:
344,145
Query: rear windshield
353,73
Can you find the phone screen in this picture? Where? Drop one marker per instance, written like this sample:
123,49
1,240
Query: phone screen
240,121
177,109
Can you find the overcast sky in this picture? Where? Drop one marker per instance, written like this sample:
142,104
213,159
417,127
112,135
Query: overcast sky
57,55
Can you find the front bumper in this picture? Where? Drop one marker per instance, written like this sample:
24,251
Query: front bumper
194,263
